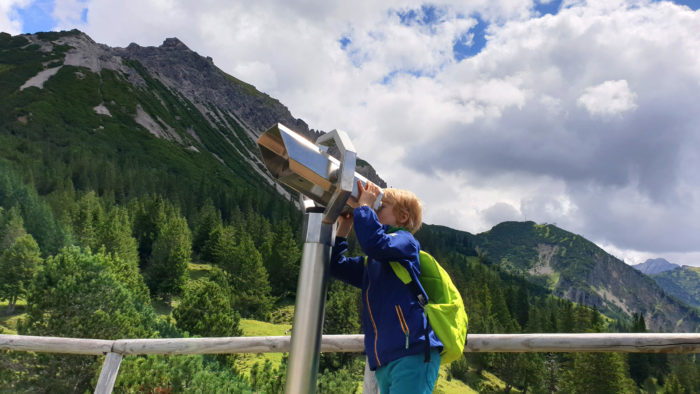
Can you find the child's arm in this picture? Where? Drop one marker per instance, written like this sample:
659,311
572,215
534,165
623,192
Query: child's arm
376,243
347,269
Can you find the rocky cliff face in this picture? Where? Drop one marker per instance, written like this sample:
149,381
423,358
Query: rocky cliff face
612,283
204,84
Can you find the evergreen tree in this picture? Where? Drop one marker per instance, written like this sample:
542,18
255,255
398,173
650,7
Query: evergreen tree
86,219
552,374
127,272
177,374
673,385
522,306
686,369
18,264
205,309
236,254
208,221
524,370
77,294
11,227
283,261
150,214
594,373
342,316
37,216
114,234
172,251
639,363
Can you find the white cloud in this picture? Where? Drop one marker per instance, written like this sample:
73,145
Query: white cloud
68,12
608,98
9,18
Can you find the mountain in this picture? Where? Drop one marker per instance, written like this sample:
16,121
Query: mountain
576,269
114,97
77,116
655,266
682,283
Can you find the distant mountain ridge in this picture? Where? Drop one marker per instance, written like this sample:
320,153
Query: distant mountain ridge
655,266
578,270
682,283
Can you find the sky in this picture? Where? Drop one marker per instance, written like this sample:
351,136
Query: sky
583,114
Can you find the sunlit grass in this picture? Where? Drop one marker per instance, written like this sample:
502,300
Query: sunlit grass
452,386
8,323
255,328
198,271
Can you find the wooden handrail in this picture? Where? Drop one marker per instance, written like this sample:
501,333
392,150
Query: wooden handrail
519,343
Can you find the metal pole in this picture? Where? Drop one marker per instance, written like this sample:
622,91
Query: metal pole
308,311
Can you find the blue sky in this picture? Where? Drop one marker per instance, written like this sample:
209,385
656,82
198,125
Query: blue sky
37,17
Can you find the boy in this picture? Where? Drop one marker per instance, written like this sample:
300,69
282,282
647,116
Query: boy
392,319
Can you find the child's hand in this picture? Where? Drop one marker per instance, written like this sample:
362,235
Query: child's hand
368,193
344,225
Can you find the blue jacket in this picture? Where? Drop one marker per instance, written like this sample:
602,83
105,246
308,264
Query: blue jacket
392,319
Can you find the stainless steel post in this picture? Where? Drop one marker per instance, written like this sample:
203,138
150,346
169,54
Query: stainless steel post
311,299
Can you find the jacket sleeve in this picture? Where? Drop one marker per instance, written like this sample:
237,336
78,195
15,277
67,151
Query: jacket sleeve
347,269
399,246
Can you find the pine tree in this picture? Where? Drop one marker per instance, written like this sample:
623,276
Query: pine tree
283,261
11,227
208,221
639,363
77,294
149,214
114,234
18,264
236,254
342,316
172,251
597,373
205,309
86,219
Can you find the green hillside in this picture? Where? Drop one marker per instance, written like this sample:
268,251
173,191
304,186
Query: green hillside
54,137
133,206
576,269
682,283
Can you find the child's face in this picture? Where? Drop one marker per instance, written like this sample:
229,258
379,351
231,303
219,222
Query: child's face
385,214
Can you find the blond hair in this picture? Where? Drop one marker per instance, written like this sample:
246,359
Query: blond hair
407,202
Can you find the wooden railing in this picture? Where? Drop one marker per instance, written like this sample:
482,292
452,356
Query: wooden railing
518,343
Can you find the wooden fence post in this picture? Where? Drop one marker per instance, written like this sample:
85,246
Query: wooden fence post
369,385
108,375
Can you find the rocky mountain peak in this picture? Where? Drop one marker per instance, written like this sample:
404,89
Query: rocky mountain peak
174,43
655,266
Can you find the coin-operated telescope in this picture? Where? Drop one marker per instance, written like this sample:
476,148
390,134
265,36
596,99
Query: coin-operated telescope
309,169
330,188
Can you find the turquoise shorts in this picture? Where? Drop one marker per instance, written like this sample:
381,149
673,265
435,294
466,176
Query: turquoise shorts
410,374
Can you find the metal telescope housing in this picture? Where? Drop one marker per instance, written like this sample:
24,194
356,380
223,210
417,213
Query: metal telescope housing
309,169
332,184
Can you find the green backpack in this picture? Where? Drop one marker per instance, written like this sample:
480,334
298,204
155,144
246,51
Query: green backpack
444,309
